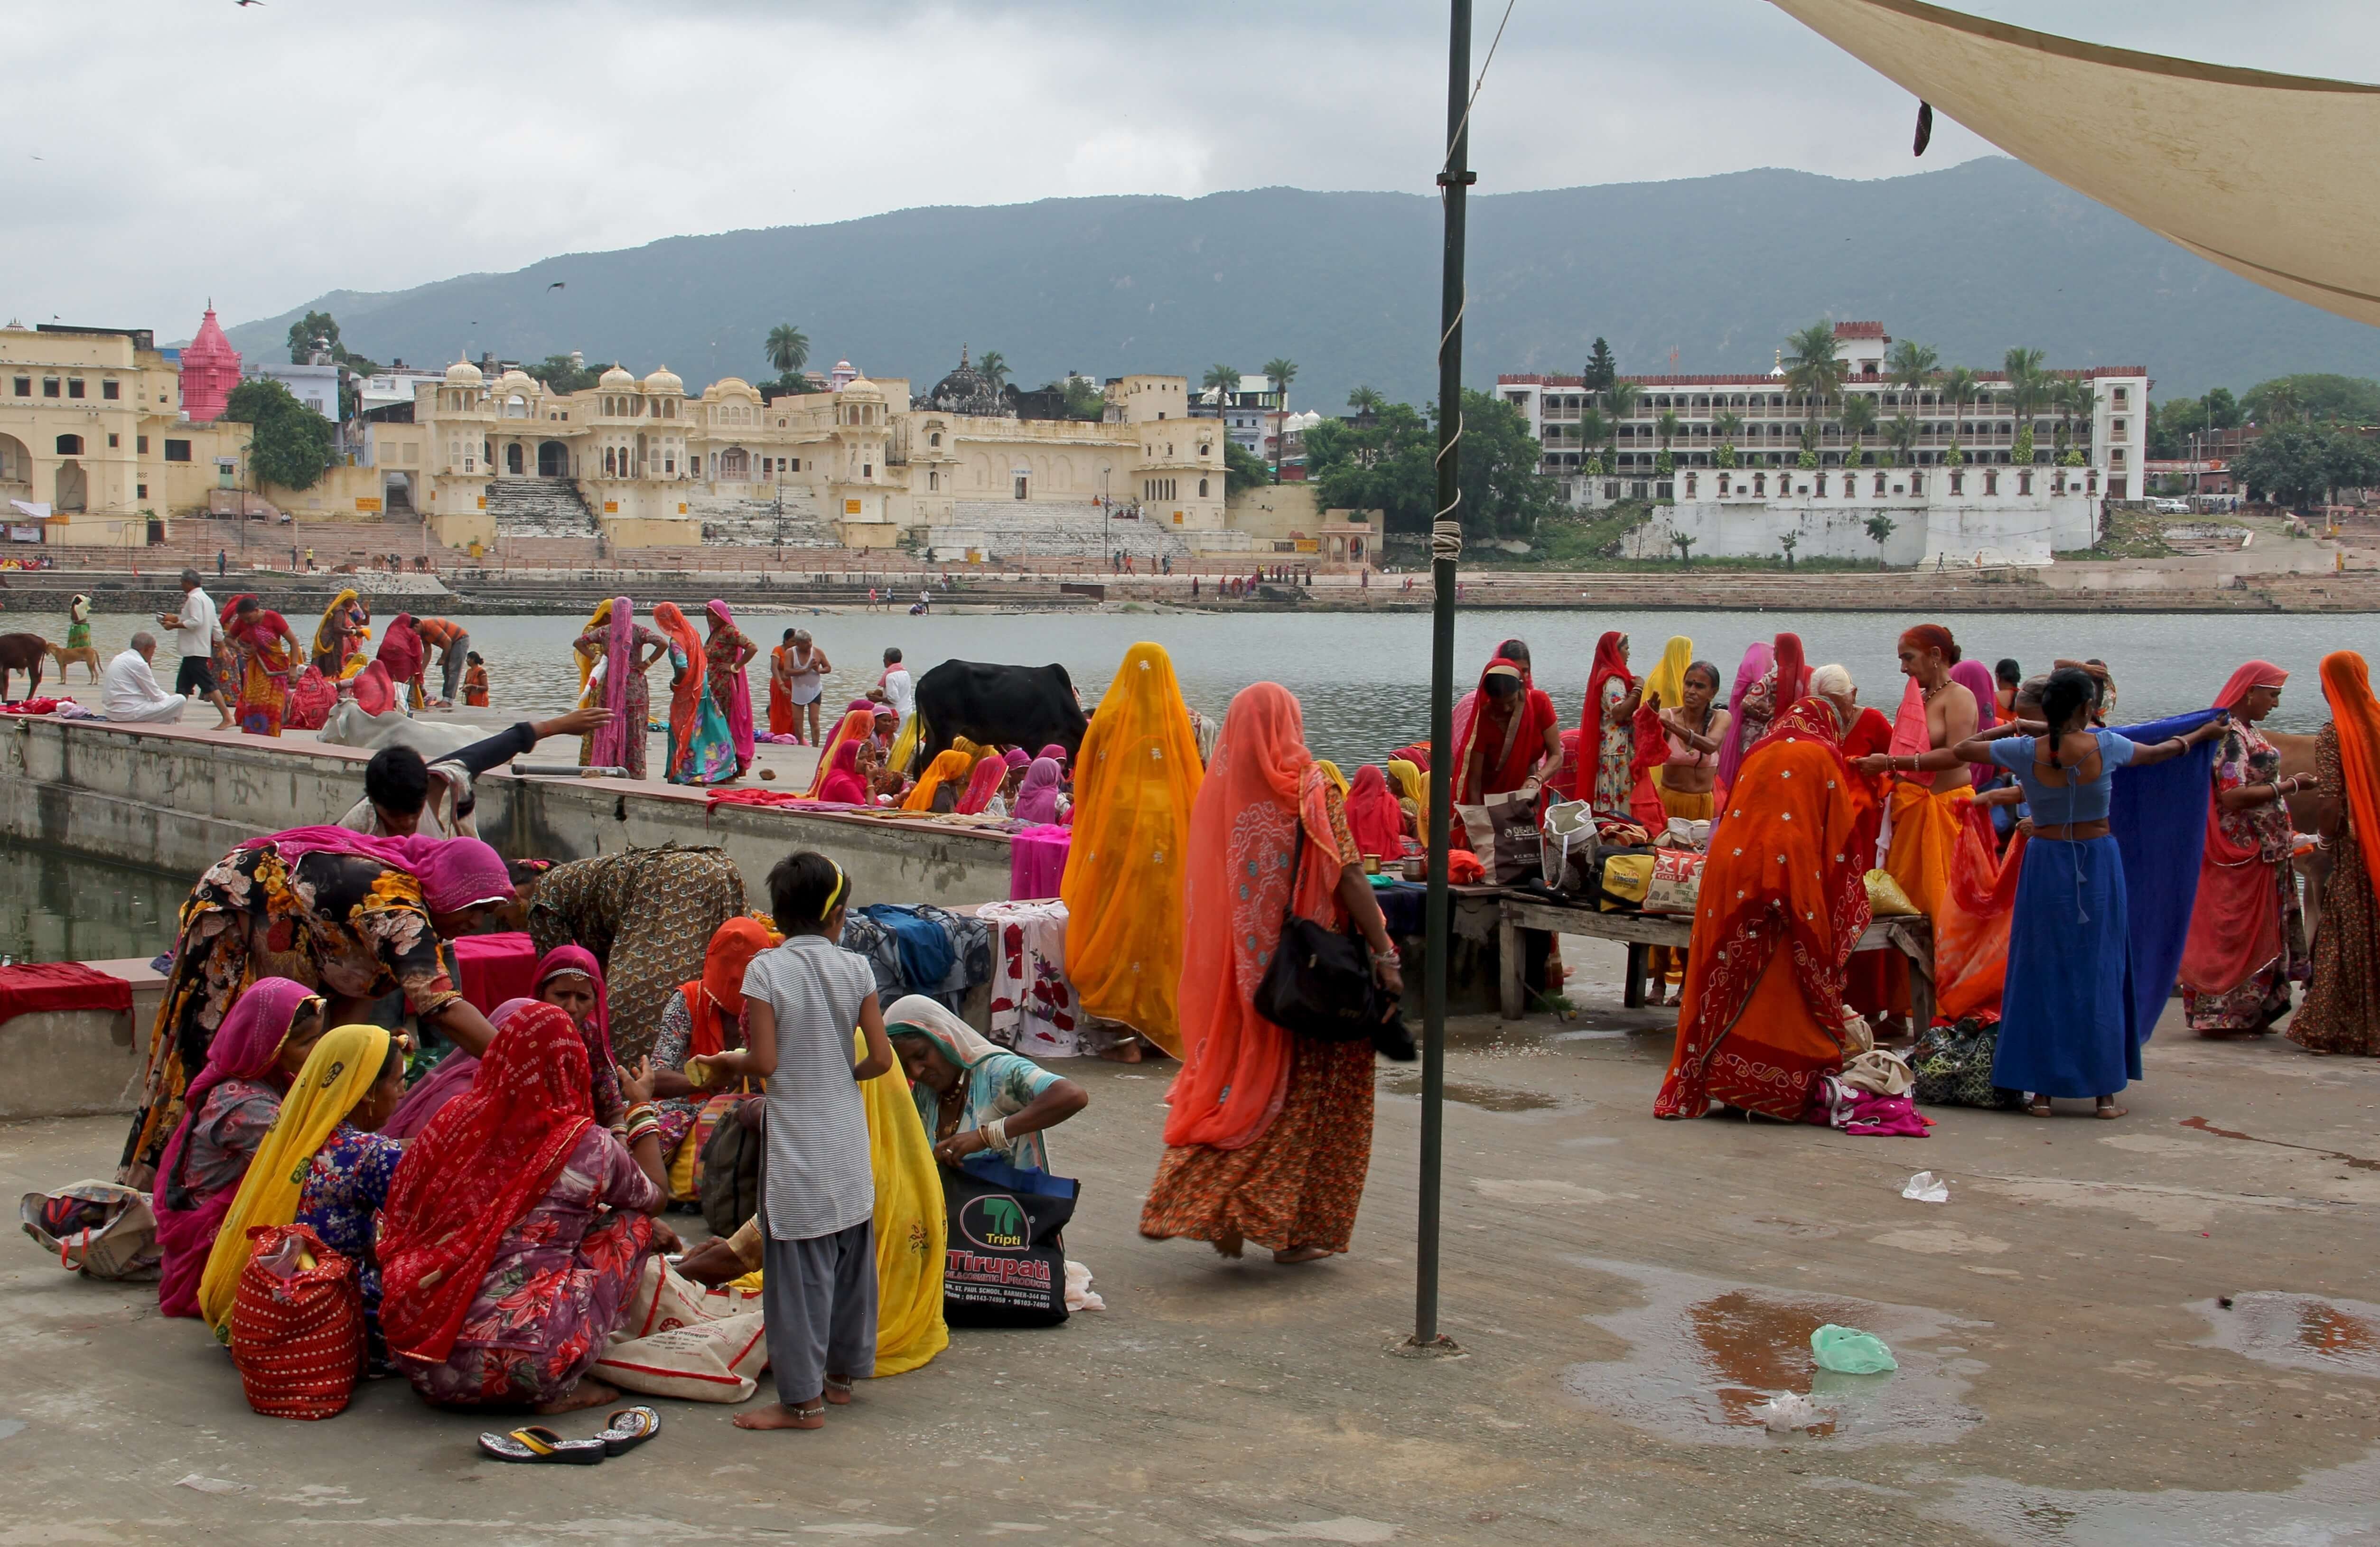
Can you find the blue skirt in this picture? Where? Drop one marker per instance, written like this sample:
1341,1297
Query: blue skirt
2067,1023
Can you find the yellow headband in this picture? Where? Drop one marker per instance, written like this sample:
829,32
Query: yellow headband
835,896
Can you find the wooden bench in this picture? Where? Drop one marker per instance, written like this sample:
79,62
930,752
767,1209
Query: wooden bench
1913,936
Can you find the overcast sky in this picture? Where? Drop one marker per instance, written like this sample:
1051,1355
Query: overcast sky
165,151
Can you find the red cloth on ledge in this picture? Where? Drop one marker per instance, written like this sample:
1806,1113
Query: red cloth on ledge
490,969
773,797
50,985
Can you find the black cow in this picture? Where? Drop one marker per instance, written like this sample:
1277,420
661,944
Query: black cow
1030,706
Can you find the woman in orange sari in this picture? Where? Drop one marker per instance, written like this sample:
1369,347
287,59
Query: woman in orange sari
2341,1013
1139,777
1877,982
701,751
1268,1135
1782,906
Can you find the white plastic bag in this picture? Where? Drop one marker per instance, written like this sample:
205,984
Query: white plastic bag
1790,1412
1922,1187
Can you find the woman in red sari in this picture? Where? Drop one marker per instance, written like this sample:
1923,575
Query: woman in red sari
1512,737
1782,906
1878,981
1374,816
2247,933
269,657
1607,741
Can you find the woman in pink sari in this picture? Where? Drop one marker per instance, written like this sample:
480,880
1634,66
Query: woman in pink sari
729,650
618,647
263,1044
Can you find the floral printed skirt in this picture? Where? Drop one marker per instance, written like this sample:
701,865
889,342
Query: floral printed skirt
1299,1183
571,1311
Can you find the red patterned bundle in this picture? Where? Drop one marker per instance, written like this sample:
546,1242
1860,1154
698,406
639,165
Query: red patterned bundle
297,1332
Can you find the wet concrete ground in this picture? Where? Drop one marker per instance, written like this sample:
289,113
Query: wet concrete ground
1624,1291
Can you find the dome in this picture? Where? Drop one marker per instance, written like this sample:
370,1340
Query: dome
463,373
966,390
861,387
663,380
516,380
616,379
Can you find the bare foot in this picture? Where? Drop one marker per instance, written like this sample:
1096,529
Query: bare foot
2107,1108
1304,1254
838,1390
587,1392
1230,1244
776,1415
1124,1052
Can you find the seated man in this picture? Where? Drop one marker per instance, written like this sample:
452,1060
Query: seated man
130,692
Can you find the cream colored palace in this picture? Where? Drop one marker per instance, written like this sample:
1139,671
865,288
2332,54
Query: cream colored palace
863,465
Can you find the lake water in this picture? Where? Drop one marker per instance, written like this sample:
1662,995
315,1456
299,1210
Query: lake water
1364,678
58,907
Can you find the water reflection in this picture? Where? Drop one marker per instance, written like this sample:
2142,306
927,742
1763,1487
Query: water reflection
58,907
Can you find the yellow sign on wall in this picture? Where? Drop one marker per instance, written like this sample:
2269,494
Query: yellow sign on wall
1177,518
366,502
610,507
851,507
681,507
483,502
1308,545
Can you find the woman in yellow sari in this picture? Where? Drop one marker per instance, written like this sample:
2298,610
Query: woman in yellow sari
339,638
1135,780
948,770
1413,795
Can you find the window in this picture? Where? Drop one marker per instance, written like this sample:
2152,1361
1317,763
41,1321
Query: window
49,386
933,480
24,386
798,465
140,492
933,439
1202,483
1020,482
2118,429
868,470
74,386
140,446
70,445
1991,481
1958,481
112,443
2123,397
108,390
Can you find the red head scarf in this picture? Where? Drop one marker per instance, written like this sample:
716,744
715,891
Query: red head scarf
1506,764
716,997
2347,683
1792,671
842,781
2254,675
400,649
1373,815
982,785
1932,636
482,1164
1250,812
1611,660
454,873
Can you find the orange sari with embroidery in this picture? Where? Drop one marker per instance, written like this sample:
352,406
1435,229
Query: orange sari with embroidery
1782,905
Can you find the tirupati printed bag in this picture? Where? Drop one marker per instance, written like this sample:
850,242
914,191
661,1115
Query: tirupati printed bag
665,1298
104,1229
1006,1263
1675,883
297,1324
702,1362
1952,1066
1502,831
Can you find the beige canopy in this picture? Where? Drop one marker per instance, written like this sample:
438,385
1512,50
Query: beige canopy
2273,176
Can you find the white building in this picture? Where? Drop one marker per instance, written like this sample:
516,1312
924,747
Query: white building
316,386
1251,415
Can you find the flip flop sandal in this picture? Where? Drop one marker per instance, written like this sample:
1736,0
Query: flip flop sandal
541,1445
628,1428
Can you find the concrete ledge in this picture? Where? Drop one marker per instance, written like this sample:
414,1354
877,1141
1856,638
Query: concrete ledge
79,1063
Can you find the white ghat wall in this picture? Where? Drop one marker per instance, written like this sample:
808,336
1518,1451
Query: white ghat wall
1964,528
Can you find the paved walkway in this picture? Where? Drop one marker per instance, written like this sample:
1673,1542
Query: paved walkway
1623,1288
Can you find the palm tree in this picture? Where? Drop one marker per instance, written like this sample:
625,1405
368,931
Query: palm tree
1726,425
1366,400
992,368
1591,431
1622,396
1902,434
1911,365
788,348
2068,397
2028,388
1859,418
1222,381
1960,386
1814,370
1280,373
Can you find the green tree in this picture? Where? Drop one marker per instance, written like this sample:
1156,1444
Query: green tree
2299,465
1859,419
1244,469
1503,493
2319,398
1601,370
1879,529
1684,545
788,348
1383,465
302,336
1665,427
1961,387
1911,365
1366,400
1591,432
2029,388
1622,396
560,374
1222,381
1900,432
1788,543
1726,425
993,368
1814,370
2067,396
1281,372
290,444
1084,398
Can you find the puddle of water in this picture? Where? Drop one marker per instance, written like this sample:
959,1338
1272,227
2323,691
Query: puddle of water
2327,1508
1488,1098
1703,1352
2296,1332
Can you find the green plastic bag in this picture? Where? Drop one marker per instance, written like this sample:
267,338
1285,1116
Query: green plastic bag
1848,1351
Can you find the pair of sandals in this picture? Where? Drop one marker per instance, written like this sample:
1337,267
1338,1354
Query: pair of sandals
623,1432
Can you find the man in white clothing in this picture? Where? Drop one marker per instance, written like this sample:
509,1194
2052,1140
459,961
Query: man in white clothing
900,688
130,691
194,640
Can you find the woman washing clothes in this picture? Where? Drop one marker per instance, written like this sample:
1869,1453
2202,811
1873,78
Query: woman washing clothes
975,1099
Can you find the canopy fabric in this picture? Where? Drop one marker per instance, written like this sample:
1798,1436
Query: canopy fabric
2245,168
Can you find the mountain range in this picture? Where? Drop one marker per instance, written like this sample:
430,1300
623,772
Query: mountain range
1693,275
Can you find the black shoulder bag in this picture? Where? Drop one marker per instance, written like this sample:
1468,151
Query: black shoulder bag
1320,982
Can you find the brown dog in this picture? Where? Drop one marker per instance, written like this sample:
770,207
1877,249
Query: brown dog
88,655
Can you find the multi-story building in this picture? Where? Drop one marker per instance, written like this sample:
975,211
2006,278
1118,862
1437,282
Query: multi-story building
93,442
950,468
1692,418
1251,413
1721,458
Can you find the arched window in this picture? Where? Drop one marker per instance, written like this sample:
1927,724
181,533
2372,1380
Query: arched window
934,440
1202,483
70,445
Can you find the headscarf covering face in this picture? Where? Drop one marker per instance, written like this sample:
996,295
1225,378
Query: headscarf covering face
339,1072
1467,706
1372,815
1665,688
687,691
1036,798
334,619
595,620
401,650
1330,771
1412,783
1792,671
982,785
841,783
2347,683
470,1176
946,768
245,1047
1531,715
717,997
1977,679
737,700
853,729
2250,677
1756,664
1252,810
454,873
1136,781
611,743
1056,754
959,1041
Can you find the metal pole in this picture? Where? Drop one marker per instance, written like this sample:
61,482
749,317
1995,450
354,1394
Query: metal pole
1446,549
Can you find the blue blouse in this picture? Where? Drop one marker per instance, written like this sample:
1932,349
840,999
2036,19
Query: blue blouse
2057,806
346,1185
